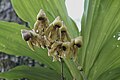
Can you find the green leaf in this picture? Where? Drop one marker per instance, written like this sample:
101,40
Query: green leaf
28,9
73,69
32,73
109,58
113,74
100,22
11,43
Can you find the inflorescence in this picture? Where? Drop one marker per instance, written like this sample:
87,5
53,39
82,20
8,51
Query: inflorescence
53,36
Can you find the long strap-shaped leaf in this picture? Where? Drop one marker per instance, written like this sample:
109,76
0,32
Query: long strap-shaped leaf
108,58
31,73
100,23
113,74
11,42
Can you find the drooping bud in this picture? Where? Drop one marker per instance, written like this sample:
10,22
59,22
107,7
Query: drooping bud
41,15
64,35
66,48
52,32
53,49
42,23
78,41
31,37
26,35
57,22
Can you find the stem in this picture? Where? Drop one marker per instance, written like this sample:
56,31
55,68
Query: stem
83,76
62,75
81,71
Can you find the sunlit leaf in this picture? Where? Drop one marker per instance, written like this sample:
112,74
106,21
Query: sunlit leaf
101,50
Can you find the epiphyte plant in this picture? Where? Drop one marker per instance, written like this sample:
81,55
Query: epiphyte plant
99,57
54,37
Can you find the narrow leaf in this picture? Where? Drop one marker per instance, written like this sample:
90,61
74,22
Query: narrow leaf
32,73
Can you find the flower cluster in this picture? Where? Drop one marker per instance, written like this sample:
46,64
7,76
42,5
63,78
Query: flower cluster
53,36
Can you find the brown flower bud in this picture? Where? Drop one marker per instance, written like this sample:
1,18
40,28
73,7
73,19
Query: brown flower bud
42,23
41,15
54,47
66,49
26,34
52,32
78,41
57,23
64,35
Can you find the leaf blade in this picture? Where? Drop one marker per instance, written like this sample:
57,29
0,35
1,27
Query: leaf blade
30,73
100,23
